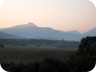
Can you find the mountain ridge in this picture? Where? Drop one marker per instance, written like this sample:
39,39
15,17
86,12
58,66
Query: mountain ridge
31,30
91,32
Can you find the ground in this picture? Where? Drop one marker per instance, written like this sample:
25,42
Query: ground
34,54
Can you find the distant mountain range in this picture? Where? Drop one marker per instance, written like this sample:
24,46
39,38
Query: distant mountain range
30,30
91,32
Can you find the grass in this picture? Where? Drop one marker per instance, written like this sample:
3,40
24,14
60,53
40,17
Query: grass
33,54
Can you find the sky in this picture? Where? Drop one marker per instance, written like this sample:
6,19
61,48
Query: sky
62,15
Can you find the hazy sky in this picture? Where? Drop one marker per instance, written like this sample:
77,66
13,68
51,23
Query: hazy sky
59,14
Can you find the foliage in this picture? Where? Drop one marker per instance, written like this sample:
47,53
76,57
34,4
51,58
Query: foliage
81,63
47,65
85,58
88,45
54,65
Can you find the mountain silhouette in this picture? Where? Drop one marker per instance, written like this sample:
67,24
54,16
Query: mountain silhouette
91,32
31,30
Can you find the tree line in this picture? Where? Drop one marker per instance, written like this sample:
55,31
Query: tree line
39,42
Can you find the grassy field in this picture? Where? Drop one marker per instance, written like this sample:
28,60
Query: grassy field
33,54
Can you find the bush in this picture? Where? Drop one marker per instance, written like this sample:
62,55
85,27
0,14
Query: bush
47,65
88,45
54,65
81,63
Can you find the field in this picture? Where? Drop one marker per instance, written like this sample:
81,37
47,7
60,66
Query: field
28,50
30,55
33,54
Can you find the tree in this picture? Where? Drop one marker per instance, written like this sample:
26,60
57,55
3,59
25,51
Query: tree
84,60
88,45
1,45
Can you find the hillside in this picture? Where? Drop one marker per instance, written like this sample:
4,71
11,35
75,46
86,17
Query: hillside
30,30
5,35
91,32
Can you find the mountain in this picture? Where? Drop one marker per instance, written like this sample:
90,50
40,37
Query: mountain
92,32
5,35
23,26
30,30
74,32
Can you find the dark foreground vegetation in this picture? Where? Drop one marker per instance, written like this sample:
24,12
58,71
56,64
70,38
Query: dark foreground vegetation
83,60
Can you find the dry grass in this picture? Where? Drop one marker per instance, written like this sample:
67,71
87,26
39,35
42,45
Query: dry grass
33,54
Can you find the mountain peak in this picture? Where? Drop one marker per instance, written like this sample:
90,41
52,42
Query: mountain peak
24,25
31,24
